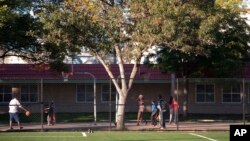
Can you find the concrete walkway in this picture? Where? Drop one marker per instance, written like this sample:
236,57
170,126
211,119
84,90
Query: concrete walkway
130,126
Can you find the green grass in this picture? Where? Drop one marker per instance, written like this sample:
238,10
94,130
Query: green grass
115,136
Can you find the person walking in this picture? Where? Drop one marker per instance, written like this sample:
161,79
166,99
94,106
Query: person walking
175,109
171,110
51,114
161,105
154,113
140,101
174,106
14,105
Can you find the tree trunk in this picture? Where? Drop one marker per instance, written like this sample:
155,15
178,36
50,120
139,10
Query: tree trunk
121,112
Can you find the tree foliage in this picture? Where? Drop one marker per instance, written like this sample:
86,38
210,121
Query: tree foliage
105,27
191,32
207,41
17,29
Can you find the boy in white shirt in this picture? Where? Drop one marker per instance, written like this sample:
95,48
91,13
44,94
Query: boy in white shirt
14,105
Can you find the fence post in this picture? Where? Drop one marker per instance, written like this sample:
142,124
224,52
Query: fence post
41,105
243,101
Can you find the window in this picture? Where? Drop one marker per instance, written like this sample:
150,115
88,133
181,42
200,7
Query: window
29,93
231,94
205,93
5,93
85,93
106,93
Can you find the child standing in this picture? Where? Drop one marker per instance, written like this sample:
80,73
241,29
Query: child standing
141,107
154,113
51,114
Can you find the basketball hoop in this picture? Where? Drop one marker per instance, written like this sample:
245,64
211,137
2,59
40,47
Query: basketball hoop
146,77
65,76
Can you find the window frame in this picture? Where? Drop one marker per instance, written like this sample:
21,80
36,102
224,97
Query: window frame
112,92
3,93
30,92
85,93
205,93
231,94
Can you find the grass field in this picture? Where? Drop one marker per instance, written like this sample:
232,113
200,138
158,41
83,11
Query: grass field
116,136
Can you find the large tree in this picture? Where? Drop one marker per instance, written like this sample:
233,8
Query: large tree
210,41
104,27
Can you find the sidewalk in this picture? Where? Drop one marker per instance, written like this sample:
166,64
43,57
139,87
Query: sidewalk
130,126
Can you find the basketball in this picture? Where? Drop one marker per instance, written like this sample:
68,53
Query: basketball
27,113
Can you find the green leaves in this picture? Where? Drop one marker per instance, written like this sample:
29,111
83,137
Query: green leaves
204,38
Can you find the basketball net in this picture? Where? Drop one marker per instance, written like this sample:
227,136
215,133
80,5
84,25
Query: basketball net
146,76
65,76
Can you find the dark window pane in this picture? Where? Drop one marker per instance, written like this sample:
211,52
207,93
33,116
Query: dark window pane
1,97
80,88
200,88
210,88
227,98
33,89
89,97
89,88
33,98
8,89
236,98
106,93
105,97
80,97
210,97
25,98
1,88
25,89
7,97
200,98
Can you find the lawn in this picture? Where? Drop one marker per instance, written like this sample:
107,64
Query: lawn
116,136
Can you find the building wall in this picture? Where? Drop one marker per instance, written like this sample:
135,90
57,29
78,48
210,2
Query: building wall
216,107
64,96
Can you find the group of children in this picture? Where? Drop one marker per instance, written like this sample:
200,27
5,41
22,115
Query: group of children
173,110
159,108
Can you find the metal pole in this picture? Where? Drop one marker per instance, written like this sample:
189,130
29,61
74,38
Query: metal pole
94,79
243,101
41,106
172,84
110,103
177,93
